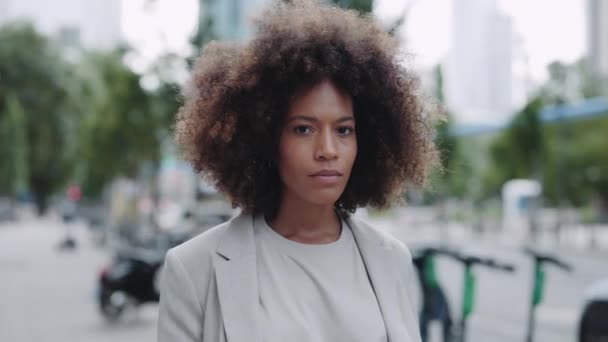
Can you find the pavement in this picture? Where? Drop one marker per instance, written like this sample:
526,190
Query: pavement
48,294
502,299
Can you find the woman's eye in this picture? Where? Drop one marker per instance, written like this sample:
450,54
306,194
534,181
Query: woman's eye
345,130
302,129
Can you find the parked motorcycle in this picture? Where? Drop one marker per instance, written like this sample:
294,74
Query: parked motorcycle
133,276
130,280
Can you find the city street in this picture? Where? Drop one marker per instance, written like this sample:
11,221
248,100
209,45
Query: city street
47,294
473,131
502,299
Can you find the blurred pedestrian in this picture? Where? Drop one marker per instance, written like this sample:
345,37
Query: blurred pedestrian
310,119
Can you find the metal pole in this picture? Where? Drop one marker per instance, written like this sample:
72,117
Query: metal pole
463,329
531,324
559,187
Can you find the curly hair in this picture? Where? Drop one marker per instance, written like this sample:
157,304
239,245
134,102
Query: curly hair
229,125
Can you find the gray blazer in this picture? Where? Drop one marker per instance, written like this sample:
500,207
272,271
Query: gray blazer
209,288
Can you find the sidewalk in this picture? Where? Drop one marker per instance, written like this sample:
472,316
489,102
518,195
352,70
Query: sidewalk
573,239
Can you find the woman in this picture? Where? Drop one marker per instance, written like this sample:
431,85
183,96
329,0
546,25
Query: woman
312,118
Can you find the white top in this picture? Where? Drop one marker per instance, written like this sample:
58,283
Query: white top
314,292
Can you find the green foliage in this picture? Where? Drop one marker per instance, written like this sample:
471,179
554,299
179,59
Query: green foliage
452,179
367,6
518,151
13,169
592,84
571,82
577,163
124,126
34,93
89,122
205,33
568,156
363,6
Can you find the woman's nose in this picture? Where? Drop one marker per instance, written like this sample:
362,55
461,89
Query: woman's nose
326,146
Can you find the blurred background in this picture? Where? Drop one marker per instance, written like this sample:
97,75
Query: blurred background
93,191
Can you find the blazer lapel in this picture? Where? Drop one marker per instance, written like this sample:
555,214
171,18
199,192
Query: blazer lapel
237,282
377,256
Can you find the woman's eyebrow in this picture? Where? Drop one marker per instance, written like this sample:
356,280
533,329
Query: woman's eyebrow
314,119
302,117
346,118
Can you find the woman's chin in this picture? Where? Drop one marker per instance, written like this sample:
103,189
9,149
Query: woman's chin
329,201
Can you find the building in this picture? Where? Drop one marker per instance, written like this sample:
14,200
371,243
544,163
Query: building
3,10
597,36
479,70
91,23
231,18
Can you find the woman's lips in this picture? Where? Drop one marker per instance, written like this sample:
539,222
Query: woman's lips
327,177
326,173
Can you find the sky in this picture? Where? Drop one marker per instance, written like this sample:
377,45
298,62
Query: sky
549,29
154,27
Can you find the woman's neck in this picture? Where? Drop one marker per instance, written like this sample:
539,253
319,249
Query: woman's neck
305,222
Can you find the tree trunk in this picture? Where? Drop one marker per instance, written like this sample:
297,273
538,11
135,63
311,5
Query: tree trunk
41,188
603,208
41,201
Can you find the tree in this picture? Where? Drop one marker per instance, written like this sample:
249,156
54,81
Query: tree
572,82
575,167
34,81
567,156
367,6
451,180
592,84
576,164
124,125
518,151
363,6
13,169
205,31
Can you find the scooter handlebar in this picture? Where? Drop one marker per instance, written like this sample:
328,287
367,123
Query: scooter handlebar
465,259
474,260
499,266
560,264
421,252
547,258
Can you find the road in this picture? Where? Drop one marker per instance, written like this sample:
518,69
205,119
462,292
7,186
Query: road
502,299
48,295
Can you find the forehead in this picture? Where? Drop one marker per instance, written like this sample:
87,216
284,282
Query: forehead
322,98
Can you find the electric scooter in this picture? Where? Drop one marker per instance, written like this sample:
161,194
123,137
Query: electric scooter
435,305
469,285
538,284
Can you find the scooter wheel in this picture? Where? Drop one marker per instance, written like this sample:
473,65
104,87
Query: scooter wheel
593,323
156,280
112,304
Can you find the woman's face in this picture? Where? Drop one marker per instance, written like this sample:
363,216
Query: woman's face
318,145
